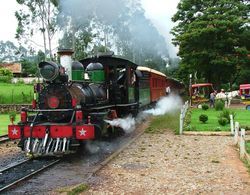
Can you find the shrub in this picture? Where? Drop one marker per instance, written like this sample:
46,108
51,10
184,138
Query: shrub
226,114
217,129
5,75
245,127
204,106
203,118
222,121
188,117
219,105
190,128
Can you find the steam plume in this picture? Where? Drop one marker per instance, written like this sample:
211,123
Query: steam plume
165,105
127,124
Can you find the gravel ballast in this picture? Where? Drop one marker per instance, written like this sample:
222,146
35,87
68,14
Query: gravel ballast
172,164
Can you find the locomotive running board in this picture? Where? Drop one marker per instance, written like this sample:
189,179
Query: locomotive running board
124,105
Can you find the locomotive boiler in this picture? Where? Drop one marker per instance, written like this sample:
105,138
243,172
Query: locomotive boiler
75,99
63,96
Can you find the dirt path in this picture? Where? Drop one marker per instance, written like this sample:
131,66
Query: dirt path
171,164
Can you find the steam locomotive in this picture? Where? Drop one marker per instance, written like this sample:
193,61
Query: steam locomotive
75,99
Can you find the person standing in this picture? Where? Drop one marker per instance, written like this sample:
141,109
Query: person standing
212,99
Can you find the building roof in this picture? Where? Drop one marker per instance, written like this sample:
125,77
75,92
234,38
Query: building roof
13,67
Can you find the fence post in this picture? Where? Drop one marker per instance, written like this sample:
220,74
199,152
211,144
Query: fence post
242,143
182,116
236,133
232,124
181,122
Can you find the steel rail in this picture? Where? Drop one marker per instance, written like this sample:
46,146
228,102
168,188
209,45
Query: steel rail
4,138
26,175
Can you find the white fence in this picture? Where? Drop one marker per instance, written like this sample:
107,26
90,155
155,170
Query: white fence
240,140
26,80
182,116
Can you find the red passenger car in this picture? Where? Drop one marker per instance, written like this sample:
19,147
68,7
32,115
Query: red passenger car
157,83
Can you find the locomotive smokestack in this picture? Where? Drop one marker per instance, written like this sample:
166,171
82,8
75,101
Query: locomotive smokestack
66,60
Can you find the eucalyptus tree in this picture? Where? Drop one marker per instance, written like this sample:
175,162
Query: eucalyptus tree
37,15
9,52
119,25
213,38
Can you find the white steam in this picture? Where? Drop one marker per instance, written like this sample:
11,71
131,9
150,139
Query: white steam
127,124
165,105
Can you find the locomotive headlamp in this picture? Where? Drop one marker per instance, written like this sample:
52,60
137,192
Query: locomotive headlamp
49,70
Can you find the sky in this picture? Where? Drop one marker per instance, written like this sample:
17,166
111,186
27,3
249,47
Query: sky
158,11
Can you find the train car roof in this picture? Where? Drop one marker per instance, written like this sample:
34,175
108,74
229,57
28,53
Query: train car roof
143,68
109,61
202,85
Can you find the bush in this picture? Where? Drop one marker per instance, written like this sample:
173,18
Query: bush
5,75
219,105
226,114
204,106
190,128
217,129
188,117
222,121
203,118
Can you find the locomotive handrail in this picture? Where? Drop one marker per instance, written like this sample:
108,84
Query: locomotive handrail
131,104
101,107
49,110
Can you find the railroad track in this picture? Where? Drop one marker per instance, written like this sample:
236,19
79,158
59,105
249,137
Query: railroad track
4,138
100,165
20,171
91,167
105,161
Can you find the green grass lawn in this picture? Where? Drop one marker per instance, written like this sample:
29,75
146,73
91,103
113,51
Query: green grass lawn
4,122
160,123
15,93
242,116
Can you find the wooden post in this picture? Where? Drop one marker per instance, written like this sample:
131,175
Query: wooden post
242,143
181,121
236,133
232,124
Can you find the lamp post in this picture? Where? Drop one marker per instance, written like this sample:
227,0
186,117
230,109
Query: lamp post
190,89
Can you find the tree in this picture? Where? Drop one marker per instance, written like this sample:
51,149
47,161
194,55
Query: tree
37,15
9,52
5,75
213,38
108,25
